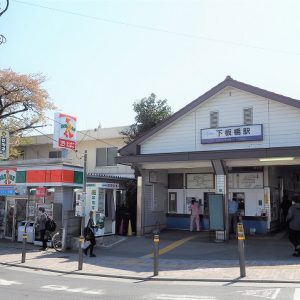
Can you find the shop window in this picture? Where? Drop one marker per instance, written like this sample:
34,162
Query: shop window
248,116
214,119
21,155
106,156
55,154
175,181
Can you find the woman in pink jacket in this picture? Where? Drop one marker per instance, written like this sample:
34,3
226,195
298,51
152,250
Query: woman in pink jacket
194,207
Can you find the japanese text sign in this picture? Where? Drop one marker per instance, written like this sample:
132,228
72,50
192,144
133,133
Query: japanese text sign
232,134
4,144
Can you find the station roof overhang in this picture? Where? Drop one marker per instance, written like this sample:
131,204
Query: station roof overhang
203,159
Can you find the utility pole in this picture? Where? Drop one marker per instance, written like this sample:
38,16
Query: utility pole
81,239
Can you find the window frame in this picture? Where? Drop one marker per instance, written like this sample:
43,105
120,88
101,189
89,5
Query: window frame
211,114
108,162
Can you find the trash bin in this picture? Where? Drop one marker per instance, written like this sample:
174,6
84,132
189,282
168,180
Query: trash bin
30,230
21,230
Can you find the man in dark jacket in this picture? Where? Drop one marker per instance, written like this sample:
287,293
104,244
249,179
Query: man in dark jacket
41,226
90,236
293,218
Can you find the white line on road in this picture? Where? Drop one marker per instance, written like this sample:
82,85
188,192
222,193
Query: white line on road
72,290
8,282
265,293
297,294
180,297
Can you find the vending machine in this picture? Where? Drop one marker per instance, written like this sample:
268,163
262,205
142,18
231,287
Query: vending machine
101,200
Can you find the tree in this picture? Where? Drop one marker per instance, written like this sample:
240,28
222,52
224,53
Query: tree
149,112
23,103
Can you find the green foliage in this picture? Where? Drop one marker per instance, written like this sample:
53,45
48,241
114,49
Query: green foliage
149,111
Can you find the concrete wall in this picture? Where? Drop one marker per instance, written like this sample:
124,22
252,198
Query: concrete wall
37,151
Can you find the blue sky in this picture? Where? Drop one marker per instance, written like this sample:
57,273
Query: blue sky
115,52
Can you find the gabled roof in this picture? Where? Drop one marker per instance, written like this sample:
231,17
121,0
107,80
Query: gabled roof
132,148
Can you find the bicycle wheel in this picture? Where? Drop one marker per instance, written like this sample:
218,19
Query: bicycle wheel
57,242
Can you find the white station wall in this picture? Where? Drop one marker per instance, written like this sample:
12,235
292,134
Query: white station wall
280,124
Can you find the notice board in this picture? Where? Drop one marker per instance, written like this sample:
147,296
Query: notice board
216,211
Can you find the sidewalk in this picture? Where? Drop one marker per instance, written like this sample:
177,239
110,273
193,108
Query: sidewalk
267,260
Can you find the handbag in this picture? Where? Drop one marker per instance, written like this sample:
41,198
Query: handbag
85,244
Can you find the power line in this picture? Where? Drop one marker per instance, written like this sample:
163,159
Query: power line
84,134
156,29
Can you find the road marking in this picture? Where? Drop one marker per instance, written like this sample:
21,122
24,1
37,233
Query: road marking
72,290
171,246
297,294
8,282
265,293
179,297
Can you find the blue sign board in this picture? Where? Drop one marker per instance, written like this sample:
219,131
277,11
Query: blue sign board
7,191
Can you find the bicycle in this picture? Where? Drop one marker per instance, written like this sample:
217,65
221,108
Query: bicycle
56,240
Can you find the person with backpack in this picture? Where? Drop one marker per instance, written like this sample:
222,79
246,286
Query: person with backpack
41,227
293,219
90,236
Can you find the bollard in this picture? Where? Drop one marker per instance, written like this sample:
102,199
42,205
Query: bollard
24,248
80,256
155,254
241,247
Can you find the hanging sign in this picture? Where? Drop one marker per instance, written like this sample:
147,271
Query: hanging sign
41,192
64,131
4,144
8,176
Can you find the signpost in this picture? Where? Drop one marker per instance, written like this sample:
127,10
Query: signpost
81,239
64,131
241,238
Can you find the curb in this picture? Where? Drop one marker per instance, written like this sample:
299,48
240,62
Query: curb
151,278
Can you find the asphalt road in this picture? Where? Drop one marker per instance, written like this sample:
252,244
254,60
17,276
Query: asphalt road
18,283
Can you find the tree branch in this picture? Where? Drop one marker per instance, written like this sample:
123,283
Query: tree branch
15,112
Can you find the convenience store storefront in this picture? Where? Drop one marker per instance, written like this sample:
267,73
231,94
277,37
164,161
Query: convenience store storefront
24,186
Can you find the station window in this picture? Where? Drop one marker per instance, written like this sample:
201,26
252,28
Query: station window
175,181
248,116
214,119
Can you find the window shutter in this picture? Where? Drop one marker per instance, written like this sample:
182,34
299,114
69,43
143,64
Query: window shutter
214,119
101,157
248,116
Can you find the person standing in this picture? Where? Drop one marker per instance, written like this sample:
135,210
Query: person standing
285,205
90,236
41,226
232,213
293,219
194,207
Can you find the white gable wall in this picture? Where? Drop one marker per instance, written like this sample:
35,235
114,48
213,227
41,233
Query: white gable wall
280,124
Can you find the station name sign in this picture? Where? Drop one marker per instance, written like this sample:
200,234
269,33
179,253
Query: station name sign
242,133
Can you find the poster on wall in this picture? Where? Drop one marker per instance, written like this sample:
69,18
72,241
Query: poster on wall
200,181
250,180
64,131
